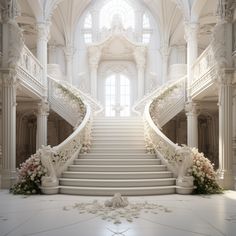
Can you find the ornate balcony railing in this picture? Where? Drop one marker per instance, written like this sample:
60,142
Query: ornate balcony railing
204,72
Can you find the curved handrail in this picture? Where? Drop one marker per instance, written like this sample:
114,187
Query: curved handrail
97,107
56,159
178,159
139,106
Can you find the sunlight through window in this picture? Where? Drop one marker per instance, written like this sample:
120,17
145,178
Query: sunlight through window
117,7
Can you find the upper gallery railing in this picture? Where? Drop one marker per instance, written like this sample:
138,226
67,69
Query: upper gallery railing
203,70
31,65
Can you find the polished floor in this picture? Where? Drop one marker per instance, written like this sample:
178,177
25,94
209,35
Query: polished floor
175,215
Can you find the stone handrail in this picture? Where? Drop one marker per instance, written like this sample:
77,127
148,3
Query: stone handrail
178,159
56,159
31,65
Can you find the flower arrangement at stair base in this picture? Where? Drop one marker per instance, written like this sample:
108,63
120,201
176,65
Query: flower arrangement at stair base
29,176
205,178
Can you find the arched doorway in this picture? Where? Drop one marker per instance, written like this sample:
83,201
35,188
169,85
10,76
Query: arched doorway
117,95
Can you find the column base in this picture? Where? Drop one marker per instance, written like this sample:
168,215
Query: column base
7,179
226,179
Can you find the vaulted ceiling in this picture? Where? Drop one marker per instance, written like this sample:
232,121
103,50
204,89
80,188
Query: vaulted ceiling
169,16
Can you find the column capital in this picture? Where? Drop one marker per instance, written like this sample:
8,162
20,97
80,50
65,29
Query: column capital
224,12
140,57
43,109
190,30
69,51
43,29
94,56
10,9
9,79
192,108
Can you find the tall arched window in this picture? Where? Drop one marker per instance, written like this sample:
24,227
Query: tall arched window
87,29
120,8
146,29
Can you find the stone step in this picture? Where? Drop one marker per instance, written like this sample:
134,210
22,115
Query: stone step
117,175
108,142
118,145
116,168
117,182
125,191
118,150
117,161
116,156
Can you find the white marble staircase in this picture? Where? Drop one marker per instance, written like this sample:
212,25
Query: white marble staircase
117,162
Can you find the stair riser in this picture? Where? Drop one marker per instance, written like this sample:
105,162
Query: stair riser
116,168
117,162
118,132
114,138
119,142
125,192
117,151
104,175
116,156
104,183
117,145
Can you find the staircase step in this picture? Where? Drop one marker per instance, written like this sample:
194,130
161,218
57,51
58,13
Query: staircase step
128,191
116,156
118,150
117,182
117,132
117,175
118,145
116,168
108,142
118,161
117,138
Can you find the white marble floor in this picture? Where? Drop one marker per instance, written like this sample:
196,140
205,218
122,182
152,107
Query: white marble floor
55,215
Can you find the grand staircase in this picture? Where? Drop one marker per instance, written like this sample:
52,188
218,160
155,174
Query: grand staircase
117,162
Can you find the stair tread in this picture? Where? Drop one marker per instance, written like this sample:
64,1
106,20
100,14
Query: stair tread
111,188
118,180
121,166
118,172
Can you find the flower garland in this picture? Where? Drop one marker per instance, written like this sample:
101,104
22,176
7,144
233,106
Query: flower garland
29,176
205,177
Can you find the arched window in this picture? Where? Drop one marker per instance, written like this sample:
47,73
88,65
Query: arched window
146,29
87,29
114,8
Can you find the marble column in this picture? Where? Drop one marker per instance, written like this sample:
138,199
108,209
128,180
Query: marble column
191,30
140,58
225,131
165,51
69,53
93,79
94,58
192,124
234,132
141,70
8,129
42,116
42,40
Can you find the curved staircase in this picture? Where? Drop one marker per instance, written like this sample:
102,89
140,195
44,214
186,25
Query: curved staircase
117,162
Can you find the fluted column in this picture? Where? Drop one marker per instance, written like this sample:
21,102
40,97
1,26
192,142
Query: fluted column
225,131
191,30
192,124
42,116
69,53
8,129
42,40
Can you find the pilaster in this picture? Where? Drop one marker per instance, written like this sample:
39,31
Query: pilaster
8,128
